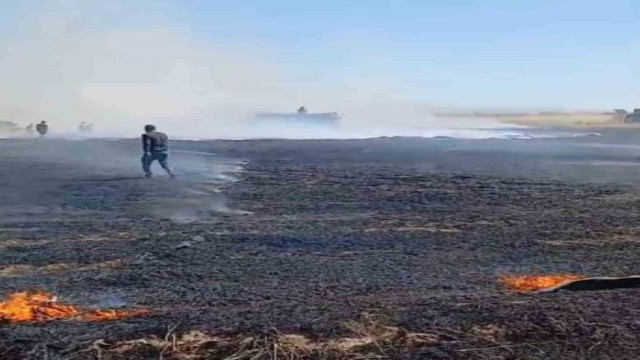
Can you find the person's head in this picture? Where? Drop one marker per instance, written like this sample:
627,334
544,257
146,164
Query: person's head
149,128
43,122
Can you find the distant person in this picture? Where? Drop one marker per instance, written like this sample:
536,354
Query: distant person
85,127
155,146
302,110
42,128
30,130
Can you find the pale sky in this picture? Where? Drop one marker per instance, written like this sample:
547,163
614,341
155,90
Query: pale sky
550,53
155,58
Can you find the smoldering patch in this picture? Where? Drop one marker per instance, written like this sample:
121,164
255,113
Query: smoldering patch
201,189
23,243
196,207
17,270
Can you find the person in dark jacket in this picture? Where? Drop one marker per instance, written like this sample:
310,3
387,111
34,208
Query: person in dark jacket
42,128
155,146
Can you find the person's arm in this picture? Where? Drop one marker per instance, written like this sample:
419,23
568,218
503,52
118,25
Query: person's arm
145,144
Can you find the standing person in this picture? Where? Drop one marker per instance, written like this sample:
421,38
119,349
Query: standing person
29,130
155,146
42,128
85,127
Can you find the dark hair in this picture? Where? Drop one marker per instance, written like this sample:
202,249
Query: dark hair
148,128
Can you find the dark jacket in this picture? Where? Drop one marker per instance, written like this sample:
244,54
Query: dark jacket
42,128
155,141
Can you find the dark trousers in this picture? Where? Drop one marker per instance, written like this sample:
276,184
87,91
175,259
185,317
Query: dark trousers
161,156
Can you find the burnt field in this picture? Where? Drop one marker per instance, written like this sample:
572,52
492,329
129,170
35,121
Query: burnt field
383,248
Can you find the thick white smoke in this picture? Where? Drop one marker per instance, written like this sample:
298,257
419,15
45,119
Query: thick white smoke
122,64
123,76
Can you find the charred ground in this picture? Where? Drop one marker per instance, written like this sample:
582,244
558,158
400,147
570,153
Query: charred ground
387,233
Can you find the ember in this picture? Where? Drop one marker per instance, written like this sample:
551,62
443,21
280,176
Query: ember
537,282
42,306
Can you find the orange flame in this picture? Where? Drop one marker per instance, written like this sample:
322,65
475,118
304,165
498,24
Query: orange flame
110,314
536,282
42,306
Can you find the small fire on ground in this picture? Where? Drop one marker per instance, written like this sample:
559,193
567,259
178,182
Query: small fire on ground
43,306
536,282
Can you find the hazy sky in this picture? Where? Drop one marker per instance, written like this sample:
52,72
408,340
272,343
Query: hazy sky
478,53
165,58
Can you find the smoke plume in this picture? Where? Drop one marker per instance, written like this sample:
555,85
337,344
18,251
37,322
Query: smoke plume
122,64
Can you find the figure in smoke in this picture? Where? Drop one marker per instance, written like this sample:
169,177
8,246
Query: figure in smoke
29,130
42,128
155,146
85,127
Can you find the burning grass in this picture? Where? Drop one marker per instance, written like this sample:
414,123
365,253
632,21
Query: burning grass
536,282
41,306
